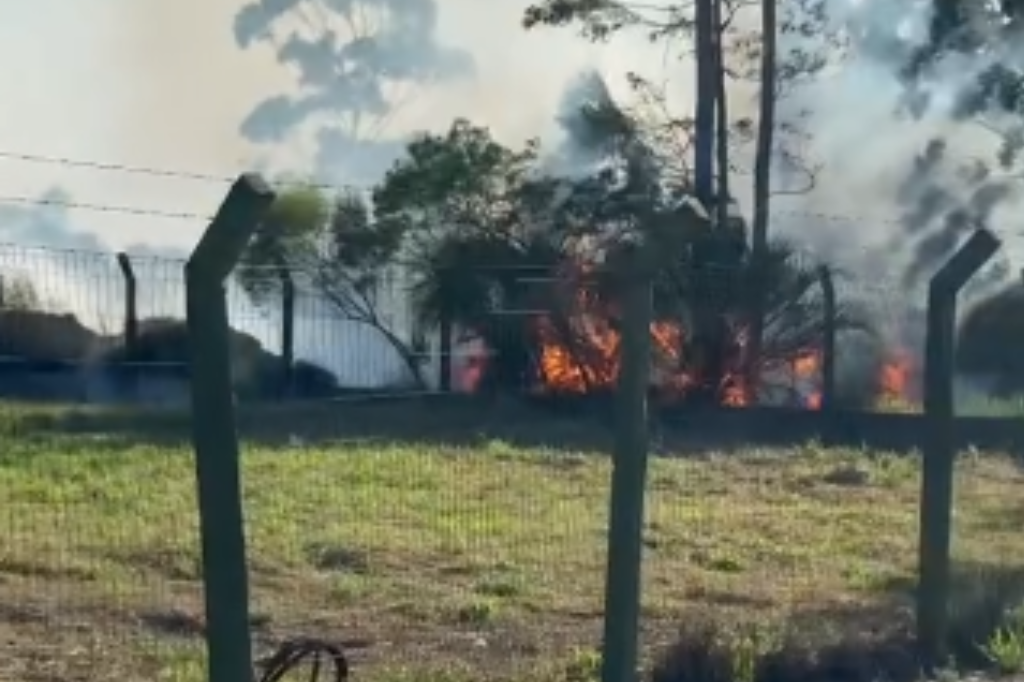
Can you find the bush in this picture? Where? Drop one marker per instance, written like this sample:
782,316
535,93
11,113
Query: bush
257,373
61,344
45,337
989,341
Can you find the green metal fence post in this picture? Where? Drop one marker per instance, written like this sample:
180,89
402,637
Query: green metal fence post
937,469
629,475
225,577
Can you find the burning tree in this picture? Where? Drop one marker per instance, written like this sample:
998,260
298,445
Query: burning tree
487,231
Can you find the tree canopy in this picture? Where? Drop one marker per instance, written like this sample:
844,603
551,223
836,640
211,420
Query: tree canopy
494,237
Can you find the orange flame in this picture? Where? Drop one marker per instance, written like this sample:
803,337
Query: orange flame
470,372
807,365
590,361
895,377
595,362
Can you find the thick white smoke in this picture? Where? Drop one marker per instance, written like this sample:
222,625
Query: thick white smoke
165,85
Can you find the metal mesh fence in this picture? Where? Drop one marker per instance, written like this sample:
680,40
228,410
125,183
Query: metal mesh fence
64,316
451,539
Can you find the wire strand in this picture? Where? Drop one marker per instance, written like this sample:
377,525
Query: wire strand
151,171
188,215
101,208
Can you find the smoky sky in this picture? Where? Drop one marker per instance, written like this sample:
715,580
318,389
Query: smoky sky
47,224
943,202
354,62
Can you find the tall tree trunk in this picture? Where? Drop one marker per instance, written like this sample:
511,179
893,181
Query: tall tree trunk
721,122
717,366
762,189
704,115
703,176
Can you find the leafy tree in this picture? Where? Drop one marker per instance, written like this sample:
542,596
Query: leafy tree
357,62
474,226
722,50
485,229
328,245
803,23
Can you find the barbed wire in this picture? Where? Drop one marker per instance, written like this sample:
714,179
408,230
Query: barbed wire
145,211
151,171
101,208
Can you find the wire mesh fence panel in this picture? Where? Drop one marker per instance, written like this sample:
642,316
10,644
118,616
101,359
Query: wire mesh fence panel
58,309
340,340
763,546
100,548
465,535
880,347
987,585
161,287
483,561
99,558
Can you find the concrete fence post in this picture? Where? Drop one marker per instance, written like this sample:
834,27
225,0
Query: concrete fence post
225,577
936,502
629,466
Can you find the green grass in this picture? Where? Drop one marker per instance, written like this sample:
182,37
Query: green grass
439,562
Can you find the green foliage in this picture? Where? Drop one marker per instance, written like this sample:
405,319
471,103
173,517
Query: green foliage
1005,647
331,246
286,239
486,230
326,242
456,183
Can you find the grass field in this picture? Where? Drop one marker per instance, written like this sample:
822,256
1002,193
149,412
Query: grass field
438,562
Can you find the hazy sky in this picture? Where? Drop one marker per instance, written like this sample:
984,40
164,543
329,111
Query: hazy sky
161,83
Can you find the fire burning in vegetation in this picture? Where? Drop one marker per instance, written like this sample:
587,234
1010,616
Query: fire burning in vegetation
591,362
579,355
